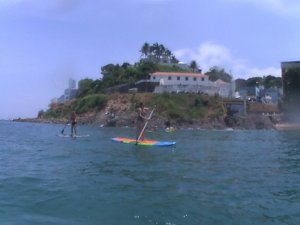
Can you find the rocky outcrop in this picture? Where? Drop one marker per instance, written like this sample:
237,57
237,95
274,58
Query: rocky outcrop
250,121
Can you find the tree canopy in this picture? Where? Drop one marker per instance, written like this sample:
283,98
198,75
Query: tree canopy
157,53
216,73
265,81
272,82
194,65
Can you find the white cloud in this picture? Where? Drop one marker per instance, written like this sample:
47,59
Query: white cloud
210,54
282,7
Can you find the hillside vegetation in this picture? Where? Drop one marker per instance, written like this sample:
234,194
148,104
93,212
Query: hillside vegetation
119,109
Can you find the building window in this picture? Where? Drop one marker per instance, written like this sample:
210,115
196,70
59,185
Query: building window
202,79
195,78
186,78
154,77
178,78
169,78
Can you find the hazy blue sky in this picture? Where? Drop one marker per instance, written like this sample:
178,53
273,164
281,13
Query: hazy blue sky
45,42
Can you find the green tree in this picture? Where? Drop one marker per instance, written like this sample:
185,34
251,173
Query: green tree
216,73
94,102
240,83
157,53
41,114
109,70
194,65
173,59
272,82
146,68
254,81
166,58
84,87
145,50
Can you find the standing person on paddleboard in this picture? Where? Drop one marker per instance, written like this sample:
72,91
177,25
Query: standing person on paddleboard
140,121
73,121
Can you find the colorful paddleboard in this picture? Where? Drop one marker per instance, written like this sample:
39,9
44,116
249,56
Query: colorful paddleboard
145,142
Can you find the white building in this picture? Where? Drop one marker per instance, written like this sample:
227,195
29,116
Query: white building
71,91
175,82
176,78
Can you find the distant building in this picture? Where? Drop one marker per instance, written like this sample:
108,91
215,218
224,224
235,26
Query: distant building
285,66
270,96
249,93
225,89
69,93
177,78
186,82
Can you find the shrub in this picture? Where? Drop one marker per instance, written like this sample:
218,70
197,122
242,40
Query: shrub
91,102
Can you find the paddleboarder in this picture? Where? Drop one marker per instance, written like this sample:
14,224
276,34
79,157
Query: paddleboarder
140,121
73,121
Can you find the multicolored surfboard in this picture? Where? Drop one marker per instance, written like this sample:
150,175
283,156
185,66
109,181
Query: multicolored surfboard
144,142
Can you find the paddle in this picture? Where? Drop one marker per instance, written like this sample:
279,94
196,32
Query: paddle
145,125
62,131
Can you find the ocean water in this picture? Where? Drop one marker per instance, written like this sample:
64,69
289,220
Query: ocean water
209,177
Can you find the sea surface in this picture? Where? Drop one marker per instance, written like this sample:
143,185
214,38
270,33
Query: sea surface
210,177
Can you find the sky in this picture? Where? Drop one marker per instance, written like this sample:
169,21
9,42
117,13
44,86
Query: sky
44,43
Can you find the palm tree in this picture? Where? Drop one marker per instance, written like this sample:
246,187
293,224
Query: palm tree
173,59
157,53
193,65
145,50
167,56
155,50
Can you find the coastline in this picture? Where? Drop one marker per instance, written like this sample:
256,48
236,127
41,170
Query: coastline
287,126
181,113
238,122
156,124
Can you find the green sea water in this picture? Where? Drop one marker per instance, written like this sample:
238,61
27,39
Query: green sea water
209,177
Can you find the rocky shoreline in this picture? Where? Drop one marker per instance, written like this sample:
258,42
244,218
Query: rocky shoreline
119,111
104,119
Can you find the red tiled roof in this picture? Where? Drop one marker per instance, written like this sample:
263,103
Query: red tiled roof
179,74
